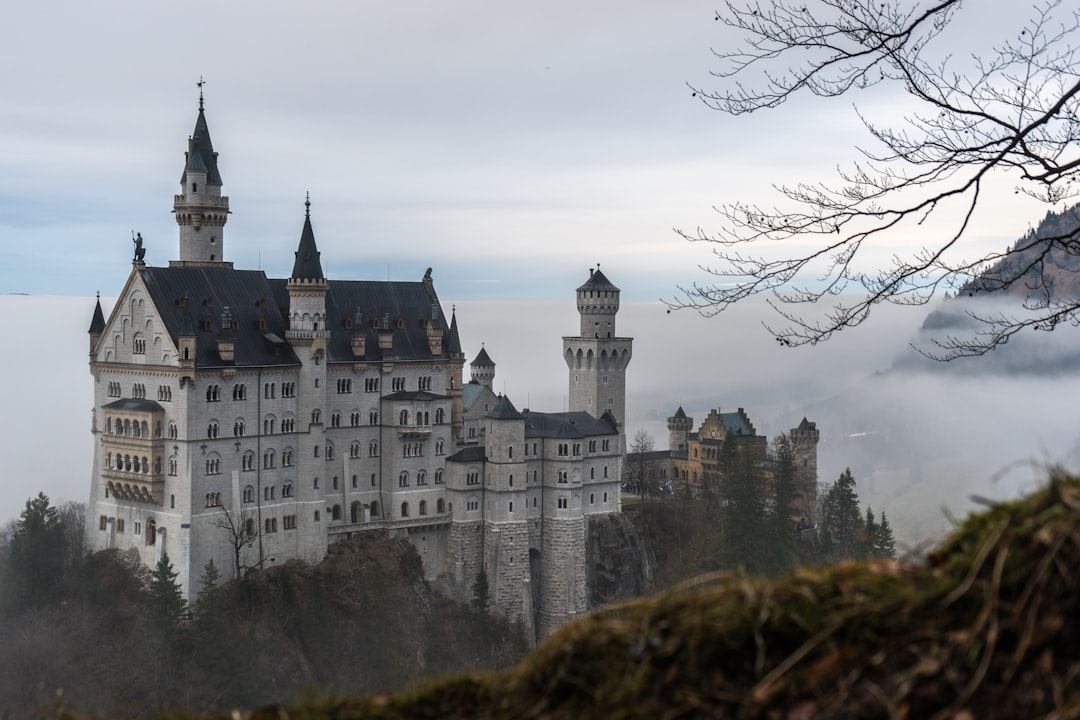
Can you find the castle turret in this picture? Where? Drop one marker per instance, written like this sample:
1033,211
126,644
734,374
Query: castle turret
200,208
597,359
679,427
482,369
453,385
308,335
97,325
804,441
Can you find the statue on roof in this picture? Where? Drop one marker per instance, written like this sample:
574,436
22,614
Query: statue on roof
140,251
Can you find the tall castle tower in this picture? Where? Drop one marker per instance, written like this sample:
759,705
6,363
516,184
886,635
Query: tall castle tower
200,208
679,427
308,334
483,369
597,359
804,441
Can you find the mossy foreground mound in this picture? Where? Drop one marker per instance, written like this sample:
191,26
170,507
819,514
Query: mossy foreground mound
990,628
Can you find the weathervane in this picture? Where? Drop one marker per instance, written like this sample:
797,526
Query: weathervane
199,85
307,205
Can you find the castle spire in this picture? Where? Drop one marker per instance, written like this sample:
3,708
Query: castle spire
307,265
200,208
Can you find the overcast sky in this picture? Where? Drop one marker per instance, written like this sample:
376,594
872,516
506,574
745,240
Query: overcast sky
506,145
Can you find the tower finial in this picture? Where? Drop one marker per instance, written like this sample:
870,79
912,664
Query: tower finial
307,205
200,84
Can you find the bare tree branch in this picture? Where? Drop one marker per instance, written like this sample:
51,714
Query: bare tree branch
1010,113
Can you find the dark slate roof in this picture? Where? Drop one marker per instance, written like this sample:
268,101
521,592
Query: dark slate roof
679,414
455,339
597,281
737,422
504,410
470,392
97,324
392,300
249,297
472,453
483,359
567,425
308,265
134,404
413,395
807,425
201,155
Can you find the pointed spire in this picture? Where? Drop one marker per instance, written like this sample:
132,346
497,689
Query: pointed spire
97,324
455,339
307,265
201,156
504,410
483,359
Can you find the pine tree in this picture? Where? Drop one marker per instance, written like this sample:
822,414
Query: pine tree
743,509
163,599
36,553
481,593
869,535
208,582
781,548
841,523
884,543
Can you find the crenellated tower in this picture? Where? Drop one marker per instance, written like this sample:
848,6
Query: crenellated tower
482,369
200,209
679,427
598,358
804,441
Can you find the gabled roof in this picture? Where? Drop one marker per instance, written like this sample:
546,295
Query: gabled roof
201,155
597,281
483,359
308,265
208,291
504,410
567,425
471,392
97,324
807,425
737,422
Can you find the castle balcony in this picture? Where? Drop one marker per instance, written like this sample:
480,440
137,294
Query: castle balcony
135,486
307,335
414,430
396,524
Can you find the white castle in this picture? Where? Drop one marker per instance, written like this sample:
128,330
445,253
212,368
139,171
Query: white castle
252,420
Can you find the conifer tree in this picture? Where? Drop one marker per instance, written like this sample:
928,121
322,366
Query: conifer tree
743,509
841,522
781,536
163,598
481,593
884,543
870,534
36,553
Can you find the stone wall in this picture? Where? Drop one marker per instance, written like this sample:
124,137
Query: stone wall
619,561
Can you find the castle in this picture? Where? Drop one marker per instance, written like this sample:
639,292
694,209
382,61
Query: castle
251,420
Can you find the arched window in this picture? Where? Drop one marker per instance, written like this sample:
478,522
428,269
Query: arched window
247,461
138,344
287,457
374,508
212,430
440,416
404,509
373,418
213,393
354,449
335,514
421,478
439,447
316,417
440,506
355,513
373,449
239,392
329,451
151,532
238,428
403,479
268,459
439,476
423,507
403,418
287,490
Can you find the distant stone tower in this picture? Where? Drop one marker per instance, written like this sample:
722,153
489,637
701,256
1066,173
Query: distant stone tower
308,335
679,427
804,440
506,527
482,369
200,208
598,358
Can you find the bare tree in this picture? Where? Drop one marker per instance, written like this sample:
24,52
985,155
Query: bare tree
642,467
1007,113
242,527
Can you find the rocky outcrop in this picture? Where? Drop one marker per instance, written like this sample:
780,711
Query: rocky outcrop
619,561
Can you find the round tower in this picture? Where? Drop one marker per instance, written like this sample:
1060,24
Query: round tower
679,427
200,209
804,442
482,369
597,358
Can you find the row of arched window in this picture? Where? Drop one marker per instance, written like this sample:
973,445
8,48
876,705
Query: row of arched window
131,463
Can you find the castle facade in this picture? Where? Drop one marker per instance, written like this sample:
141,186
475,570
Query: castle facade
252,420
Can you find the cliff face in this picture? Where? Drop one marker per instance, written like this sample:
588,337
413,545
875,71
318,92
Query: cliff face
619,561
